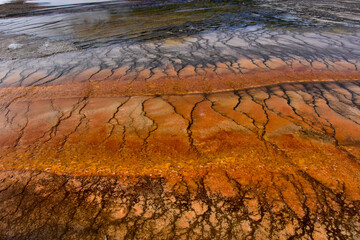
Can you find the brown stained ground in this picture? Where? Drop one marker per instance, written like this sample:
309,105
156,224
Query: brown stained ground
258,155
166,81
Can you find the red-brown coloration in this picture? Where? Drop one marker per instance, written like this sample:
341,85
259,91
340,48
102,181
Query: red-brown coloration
285,138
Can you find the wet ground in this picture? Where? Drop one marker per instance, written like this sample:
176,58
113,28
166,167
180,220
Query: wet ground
180,120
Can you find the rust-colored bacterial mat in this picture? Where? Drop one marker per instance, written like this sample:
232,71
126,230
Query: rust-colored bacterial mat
180,120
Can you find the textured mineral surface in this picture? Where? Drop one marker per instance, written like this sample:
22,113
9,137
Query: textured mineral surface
245,132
